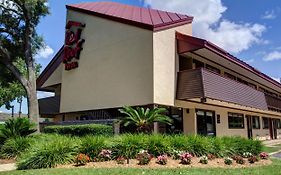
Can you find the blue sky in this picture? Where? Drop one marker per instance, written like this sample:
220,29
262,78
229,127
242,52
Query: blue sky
248,29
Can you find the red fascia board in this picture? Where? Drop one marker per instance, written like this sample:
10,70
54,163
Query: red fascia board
201,43
50,68
131,22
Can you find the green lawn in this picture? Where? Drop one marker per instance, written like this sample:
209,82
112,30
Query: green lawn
274,168
272,149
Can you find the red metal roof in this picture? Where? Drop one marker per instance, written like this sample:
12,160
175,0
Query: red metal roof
138,16
193,44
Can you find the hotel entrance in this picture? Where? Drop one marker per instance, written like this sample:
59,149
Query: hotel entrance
206,124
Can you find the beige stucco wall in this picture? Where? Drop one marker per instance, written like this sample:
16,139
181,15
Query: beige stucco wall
55,78
115,67
222,129
164,64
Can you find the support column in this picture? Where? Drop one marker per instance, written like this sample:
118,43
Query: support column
155,127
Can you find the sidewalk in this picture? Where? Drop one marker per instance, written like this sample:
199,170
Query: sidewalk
8,167
272,142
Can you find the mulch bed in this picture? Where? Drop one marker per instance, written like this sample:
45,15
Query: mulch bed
216,163
6,161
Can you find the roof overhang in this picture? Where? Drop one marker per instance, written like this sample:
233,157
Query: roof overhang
47,72
186,43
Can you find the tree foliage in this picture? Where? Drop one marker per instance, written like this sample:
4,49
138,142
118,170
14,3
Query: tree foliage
19,41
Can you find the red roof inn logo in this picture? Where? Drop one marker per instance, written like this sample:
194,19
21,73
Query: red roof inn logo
73,44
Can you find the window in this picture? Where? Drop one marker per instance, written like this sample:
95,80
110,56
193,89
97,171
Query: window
256,122
213,69
235,120
278,123
265,123
228,75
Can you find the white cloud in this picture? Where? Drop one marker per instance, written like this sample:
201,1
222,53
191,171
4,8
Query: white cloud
276,79
250,61
44,52
272,56
210,24
1,111
269,15
41,94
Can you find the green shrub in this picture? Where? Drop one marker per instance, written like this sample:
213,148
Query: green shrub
92,145
13,147
128,145
49,152
158,144
198,145
16,127
80,130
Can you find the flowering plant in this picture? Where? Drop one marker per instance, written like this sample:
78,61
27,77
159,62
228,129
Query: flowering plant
162,160
247,154
203,160
82,159
120,160
263,155
211,156
105,155
176,154
144,157
240,160
252,159
228,161
185,158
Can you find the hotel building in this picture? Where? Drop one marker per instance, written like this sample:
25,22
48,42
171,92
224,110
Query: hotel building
116,55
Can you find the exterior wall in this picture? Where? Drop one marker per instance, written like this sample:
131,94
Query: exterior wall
222,127
55,78
115,67
164,64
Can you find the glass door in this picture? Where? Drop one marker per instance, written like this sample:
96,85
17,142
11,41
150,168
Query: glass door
206,123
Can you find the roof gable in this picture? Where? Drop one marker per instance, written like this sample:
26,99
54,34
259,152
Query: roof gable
147,18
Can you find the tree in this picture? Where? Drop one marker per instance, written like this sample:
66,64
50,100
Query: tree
20,41
144,118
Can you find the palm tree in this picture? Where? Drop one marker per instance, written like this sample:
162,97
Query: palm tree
144,118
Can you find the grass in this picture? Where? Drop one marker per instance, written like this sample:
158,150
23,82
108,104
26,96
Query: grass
274,168
271,149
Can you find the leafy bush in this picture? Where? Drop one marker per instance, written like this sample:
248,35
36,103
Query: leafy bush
49,152
162,160
198,145
80,130
16,127
186,158
158,144
228,161
144,157
81,159
13,147
92,146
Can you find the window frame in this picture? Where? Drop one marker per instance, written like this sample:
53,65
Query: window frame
263,125
254,126
232,116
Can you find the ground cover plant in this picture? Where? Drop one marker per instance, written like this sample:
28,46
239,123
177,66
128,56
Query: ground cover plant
51,150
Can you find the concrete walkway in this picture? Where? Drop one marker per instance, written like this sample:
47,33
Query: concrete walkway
8,167
272,142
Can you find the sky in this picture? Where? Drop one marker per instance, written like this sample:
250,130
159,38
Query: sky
250,30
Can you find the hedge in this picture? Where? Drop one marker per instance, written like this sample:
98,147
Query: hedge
80,130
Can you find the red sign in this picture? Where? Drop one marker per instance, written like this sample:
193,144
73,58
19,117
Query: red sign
73,44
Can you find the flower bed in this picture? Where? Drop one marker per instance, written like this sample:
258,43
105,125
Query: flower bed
171,163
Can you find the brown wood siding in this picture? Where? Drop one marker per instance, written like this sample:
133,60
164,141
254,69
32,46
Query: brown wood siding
202,83
189,84
273,102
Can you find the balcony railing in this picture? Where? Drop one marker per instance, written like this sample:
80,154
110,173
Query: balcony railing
201,83
273,102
